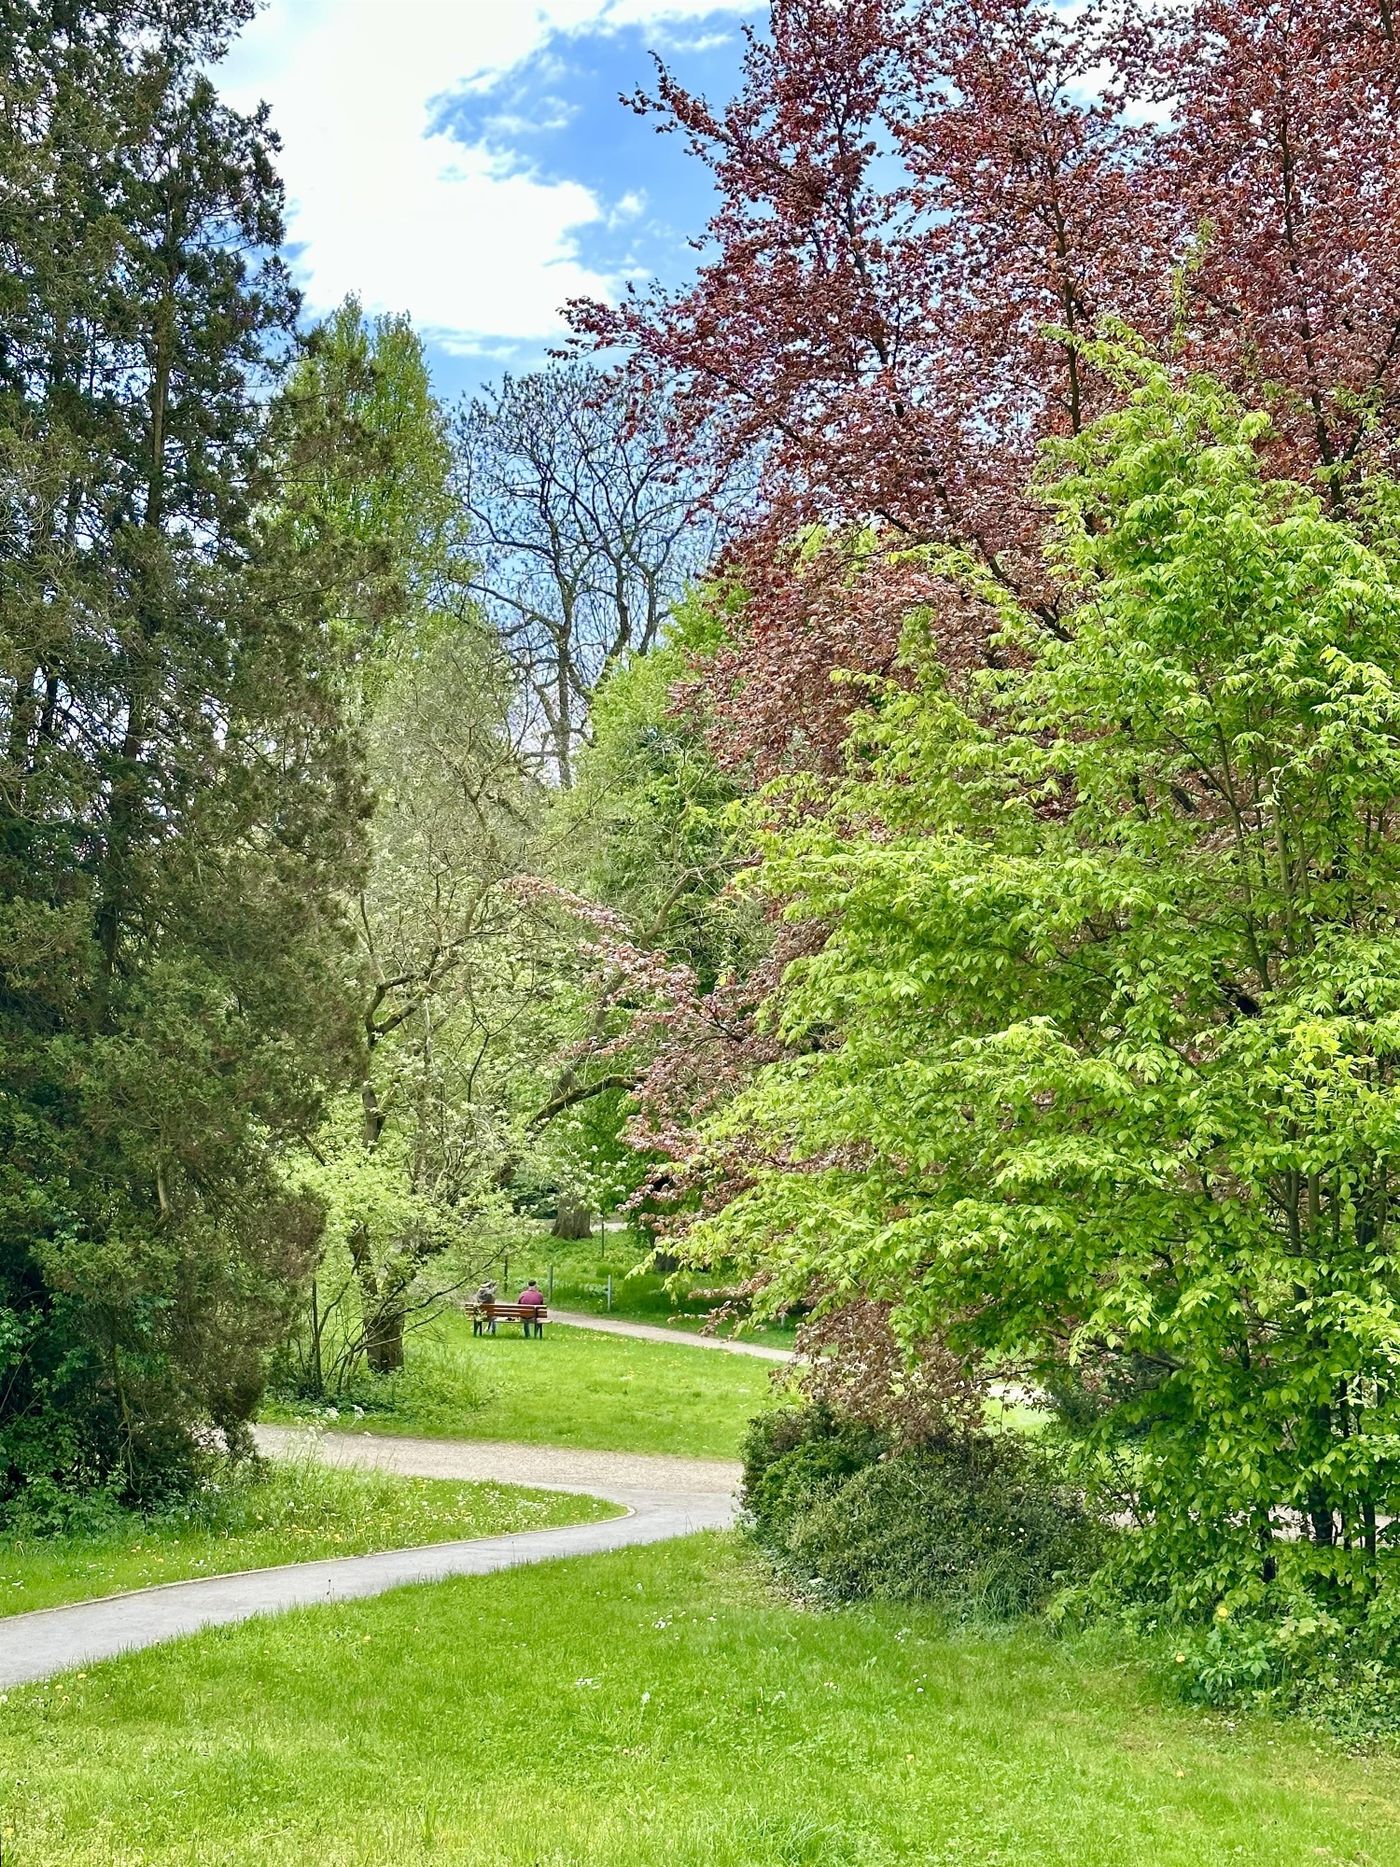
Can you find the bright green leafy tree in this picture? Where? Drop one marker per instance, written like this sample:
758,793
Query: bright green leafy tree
454,979
647,830
1098,1071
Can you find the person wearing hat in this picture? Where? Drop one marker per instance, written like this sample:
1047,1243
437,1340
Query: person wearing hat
482,1306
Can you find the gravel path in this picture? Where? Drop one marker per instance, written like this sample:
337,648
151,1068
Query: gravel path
652,1332
623,1477
663,1497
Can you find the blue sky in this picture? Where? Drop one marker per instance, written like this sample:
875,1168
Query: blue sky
467,161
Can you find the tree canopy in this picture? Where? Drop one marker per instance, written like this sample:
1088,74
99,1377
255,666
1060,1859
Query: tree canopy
923,206
894,776
1093,1075
178,807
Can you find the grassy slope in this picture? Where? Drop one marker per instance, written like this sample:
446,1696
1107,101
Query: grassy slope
572,1389
669,1712
299,1512
580,1283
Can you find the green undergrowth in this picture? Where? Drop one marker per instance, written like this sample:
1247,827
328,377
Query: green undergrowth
660,1704
288,1511
572,1388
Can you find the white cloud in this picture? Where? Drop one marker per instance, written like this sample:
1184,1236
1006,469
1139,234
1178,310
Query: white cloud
627,207
551,114
673,41
459,234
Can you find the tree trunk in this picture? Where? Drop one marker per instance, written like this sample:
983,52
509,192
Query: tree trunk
572,1219
1323,1521
384,1342
317,1371
382,1309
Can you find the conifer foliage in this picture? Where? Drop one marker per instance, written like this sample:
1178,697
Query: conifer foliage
177,805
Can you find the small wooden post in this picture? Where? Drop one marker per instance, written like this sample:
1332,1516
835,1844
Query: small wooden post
551,1283
610,1290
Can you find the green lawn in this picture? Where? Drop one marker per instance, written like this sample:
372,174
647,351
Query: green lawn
581,1272
298,1511
572,1388
665,1710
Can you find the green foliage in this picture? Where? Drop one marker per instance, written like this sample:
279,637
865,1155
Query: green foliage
1334,1667
456,990
432,1392
991,1529
650,828
451,988
178,800
795,1458
648,831
367,491
1096,1069
985,1525
583,1156
684,1301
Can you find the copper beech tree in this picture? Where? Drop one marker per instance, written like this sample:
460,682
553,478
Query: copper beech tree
924,206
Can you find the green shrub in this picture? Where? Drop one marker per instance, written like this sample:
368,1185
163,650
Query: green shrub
794,1457
438,1388
1339,1667
986,1525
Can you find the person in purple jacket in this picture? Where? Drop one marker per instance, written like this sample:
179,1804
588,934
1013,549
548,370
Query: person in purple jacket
532,1297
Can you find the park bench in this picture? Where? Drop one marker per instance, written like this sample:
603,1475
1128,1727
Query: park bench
485,1316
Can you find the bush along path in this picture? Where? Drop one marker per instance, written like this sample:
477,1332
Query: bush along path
660,1498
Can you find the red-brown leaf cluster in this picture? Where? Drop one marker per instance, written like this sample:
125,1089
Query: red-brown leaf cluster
854,1364
925,204
926,208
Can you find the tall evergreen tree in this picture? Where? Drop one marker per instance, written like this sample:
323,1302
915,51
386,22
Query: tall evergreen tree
177,801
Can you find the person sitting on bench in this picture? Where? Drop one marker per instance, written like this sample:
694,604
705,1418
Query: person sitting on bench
485,1297
532,1297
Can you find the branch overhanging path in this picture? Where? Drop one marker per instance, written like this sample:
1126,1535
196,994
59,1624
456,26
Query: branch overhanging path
663,1497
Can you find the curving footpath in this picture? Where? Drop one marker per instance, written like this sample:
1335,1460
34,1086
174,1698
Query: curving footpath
662,1498
654,1332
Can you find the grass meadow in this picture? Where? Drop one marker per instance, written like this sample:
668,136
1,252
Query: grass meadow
684,1303
656,1705
294,1510
573,1388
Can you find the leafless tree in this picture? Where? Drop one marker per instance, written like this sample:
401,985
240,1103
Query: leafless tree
584,537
